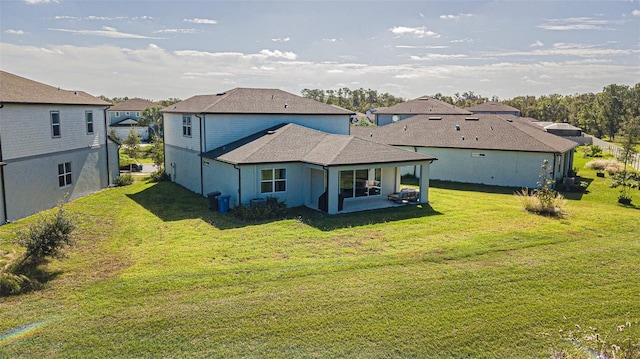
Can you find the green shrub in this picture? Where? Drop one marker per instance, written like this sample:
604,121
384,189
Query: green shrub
159,176
273,209
124,180
48,236
592,151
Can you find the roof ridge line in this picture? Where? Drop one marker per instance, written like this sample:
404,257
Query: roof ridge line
224,97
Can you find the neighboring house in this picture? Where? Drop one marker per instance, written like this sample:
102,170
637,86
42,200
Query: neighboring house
124,115
257,143
493,108
424,105
486,149
53,145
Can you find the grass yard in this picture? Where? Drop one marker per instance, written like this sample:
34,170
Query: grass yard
154,273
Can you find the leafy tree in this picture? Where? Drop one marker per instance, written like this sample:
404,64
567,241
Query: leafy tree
132,145
48,236
611,103
152,116
157,152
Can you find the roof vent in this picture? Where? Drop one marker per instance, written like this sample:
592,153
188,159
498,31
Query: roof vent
509,120
471,119
286,105
476,138
463,138
457,127
405,128
435,118
271,132
221,93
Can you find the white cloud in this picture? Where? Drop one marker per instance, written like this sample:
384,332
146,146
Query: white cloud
636,12
279,54
432,57
462,40
106,32
201,21
176,31
577,23
419,32
538,43
14,32
455,17
33,2
421,47
280,39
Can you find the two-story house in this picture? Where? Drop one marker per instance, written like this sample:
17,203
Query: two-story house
53,146
125,115
256,143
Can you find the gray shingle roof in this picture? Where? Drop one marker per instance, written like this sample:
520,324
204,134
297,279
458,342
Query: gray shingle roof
295,143
492,106
16,89
254,100
487,132
132,104
424,105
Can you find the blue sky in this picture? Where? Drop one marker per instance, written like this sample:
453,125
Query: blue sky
162,49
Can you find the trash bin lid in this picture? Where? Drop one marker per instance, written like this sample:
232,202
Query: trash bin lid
214,193
224,196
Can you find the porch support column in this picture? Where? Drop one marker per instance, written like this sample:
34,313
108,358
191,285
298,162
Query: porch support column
333,188
398,179
424,182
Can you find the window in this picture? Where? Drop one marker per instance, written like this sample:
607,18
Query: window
88,116
55,124
64,174
186,126
127,113
273,180
360,183
117,114
137,114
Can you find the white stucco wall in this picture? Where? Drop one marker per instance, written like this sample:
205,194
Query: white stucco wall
173,132
183,166
498,168
296,187
32,183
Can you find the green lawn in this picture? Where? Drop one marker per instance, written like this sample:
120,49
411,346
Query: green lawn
156,274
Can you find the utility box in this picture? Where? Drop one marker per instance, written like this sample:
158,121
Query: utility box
213,200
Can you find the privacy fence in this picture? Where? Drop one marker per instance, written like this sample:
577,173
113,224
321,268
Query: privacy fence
616,151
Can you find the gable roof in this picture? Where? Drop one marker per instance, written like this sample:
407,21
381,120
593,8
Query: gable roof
133,104
254,101
492,106
16,89
424,105
295,143
484,132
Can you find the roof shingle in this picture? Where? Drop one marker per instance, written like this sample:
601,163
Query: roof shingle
254,100
133,104
16,89
295,143
424,105
488,132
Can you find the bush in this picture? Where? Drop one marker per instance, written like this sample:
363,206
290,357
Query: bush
531,202
48,236
602,165
124,180
273,209
159,176
592,151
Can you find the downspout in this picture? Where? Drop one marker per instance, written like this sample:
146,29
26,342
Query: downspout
239,184
106,145
555,155
201,167
4,192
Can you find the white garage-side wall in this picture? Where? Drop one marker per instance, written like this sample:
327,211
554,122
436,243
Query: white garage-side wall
222,129
183,166
32,185
498,168
221,177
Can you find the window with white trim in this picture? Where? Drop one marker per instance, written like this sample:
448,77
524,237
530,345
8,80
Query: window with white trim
88,116
64,174
55,124
273,180
186,126
117,114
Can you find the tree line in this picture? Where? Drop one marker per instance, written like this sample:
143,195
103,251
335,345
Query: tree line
605,114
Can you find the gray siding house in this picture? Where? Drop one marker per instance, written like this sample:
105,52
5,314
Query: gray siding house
53,145
496,150
125,115
257,143
424,105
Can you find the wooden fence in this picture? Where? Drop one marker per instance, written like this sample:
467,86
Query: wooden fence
617,151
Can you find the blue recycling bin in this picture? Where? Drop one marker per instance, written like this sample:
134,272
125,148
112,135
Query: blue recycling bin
223,203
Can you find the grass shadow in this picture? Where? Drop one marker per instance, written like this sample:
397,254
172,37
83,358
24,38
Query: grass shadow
171,202
575,192
473,187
